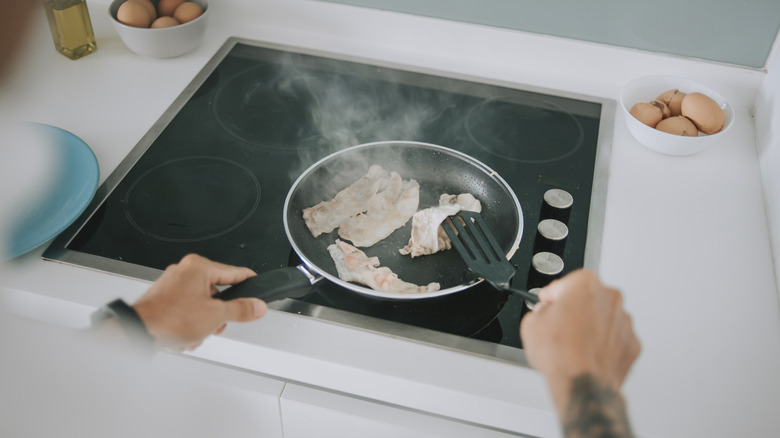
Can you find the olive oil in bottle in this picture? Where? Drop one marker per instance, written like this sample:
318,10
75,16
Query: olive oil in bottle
70,27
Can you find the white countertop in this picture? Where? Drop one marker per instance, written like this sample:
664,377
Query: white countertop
685,238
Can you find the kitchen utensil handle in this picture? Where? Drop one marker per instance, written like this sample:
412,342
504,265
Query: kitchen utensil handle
528,296
270,286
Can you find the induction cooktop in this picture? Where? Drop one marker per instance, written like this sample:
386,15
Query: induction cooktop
212,174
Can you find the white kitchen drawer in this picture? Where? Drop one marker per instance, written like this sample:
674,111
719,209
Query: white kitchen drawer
245,404
308,412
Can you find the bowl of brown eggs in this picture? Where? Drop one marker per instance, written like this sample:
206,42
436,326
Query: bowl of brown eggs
160,28
674,115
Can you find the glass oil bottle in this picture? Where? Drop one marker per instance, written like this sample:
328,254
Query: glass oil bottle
70,27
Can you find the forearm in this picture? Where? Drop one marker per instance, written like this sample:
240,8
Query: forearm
591,409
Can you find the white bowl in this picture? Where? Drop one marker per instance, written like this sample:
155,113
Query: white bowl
166,42
647,88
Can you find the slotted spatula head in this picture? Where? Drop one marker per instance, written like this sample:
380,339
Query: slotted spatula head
476,245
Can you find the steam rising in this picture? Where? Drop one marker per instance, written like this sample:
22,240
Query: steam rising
344,109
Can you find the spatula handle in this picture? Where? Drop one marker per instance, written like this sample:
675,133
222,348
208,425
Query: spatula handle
528,296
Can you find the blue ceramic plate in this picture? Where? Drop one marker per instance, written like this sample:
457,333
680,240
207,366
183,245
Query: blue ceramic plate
73,184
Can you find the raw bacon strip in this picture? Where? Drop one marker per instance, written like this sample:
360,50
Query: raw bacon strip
353,265
387,211
328,215
428,236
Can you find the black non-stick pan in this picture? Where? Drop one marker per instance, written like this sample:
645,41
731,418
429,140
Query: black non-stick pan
438,170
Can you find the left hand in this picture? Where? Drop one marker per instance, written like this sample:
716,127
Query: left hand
179,311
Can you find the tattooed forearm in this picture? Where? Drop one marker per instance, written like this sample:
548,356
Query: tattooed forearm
595,411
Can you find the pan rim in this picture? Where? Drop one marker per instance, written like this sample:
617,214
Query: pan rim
383,294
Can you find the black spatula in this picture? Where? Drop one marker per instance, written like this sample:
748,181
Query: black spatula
475,243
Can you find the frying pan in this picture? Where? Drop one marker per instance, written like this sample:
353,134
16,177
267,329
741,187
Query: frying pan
438,170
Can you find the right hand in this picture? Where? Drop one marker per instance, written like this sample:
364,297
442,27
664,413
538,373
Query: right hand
579,327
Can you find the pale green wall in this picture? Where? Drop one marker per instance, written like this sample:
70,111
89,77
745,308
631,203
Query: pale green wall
731,31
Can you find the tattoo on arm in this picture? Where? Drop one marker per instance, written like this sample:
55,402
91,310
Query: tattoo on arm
595,411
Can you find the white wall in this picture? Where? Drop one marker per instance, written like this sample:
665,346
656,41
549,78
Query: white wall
767,114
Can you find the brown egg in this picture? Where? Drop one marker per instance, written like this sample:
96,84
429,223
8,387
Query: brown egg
164,22
673,99
149,7
133,14
646,113
678,125
704,112
166,7
187,11
661,106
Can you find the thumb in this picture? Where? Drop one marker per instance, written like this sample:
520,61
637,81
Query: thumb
525,323
245,309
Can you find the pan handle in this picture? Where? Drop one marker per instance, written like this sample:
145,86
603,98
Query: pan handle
291,282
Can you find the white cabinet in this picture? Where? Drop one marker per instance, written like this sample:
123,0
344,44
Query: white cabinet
308,412
56,382
242,404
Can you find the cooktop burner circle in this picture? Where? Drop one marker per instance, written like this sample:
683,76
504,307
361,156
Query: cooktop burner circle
259,105
524,129
287,109
292,108
192,199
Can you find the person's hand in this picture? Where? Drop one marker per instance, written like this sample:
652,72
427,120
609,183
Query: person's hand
179,311
579,328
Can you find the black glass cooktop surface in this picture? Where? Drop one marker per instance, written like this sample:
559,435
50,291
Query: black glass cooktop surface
211,177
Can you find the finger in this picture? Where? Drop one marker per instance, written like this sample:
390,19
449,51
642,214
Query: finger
564,285
217,273
221,274
541,306
533,318
612,305
526,322
635,347
550,293
615,296
245,309
193,346
190,260
220,329
630,348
